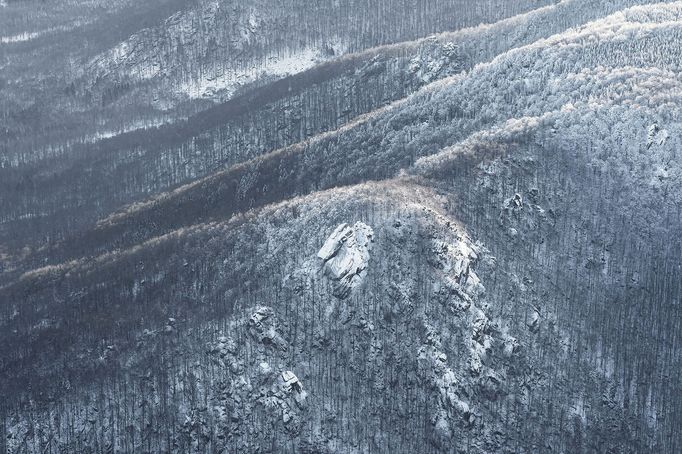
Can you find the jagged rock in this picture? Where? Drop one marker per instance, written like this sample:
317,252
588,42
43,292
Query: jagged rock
291,382
514,203
263,326
293,387
452,295
346,256
223,347
475,363
434,59
458,260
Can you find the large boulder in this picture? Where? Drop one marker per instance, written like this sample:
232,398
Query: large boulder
346,256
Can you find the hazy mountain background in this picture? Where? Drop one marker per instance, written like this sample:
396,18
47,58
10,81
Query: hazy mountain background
340,226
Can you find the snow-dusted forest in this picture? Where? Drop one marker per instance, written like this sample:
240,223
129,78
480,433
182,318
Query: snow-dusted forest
350,226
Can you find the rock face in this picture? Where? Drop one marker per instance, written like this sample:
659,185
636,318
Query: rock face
262,327
346,256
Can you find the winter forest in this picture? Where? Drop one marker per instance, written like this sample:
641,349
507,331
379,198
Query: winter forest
340,226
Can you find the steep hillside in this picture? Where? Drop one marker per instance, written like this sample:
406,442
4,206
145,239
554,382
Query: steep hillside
386,332
133,65
46,199
554,74
213,49
469,243
64,104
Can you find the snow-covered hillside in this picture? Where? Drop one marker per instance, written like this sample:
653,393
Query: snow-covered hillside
468,242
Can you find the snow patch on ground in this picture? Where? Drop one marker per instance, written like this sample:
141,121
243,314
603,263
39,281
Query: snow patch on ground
226,84
21,37
28,36
136,126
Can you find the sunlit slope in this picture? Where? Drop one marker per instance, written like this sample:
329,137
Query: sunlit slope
576,71
45,183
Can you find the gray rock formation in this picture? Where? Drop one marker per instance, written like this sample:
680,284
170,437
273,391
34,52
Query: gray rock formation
346,255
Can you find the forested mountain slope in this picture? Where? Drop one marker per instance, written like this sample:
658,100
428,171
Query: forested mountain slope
126,65
63,101
484,258
379,144
47,199
216,47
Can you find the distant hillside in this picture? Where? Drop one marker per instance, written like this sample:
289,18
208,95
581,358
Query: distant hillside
46,198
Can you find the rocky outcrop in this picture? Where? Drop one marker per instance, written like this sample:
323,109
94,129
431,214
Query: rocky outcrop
263,327
346,256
